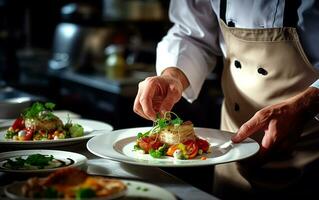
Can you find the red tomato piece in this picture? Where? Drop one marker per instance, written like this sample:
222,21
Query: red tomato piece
191,148
147,143
202,144
29,134
18,124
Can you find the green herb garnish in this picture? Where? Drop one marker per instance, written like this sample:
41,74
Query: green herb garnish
137,148
161,151
84,193
37,160
141,135
163,122
37,107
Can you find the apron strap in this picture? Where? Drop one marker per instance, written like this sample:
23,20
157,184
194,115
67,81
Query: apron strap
291,13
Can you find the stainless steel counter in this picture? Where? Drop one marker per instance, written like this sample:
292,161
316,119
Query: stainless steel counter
115,169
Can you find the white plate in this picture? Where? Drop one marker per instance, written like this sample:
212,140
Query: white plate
136,190
69,159
119,146
91,128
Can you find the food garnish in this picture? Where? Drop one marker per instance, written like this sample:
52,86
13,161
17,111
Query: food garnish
33,161
38,122
171,136
72,183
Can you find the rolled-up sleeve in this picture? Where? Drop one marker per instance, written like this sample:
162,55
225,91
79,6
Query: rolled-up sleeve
191,44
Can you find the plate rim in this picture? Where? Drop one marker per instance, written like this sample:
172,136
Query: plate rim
134,161
126,181
109,128
82,160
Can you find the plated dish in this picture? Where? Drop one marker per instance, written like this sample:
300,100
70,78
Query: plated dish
171,136
40,161
119,146
91,128
63,185
39,126
38,123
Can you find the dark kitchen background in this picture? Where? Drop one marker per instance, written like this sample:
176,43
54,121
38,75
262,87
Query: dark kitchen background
88,57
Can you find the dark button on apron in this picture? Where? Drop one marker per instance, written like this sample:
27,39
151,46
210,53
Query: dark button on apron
231,24
236,107
262,71
237,64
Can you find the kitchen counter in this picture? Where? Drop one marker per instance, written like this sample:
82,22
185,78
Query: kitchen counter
113,169
126,87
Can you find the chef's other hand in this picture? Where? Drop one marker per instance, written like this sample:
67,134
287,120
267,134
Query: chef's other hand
282,123
159,93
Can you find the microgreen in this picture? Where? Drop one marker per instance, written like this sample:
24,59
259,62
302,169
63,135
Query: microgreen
161,123
36,108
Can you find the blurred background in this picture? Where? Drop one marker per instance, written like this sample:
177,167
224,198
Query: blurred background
88,57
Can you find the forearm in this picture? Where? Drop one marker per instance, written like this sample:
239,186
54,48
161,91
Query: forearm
308,101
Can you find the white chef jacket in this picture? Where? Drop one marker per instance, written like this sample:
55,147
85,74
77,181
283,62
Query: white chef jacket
195,40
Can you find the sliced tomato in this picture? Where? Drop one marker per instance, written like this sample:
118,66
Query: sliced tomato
29,134
171,150
191,148
147,143
202,144
18,124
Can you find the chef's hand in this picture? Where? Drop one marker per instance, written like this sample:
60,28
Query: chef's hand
282,123
159,93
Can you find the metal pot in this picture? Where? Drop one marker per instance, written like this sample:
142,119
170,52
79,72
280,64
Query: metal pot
13,102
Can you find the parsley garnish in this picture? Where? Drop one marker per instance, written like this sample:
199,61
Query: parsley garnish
37,107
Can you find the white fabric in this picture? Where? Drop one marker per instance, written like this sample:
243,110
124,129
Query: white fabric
315,84
194,41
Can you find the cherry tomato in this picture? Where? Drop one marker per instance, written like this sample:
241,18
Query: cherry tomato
202,144
18,124
29,134
191,148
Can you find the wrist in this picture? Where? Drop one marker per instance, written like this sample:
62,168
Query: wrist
309,101
177,74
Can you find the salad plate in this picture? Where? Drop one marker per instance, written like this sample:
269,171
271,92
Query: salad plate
135,190
119,146
91,128
40,161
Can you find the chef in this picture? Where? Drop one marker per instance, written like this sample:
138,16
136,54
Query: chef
269,80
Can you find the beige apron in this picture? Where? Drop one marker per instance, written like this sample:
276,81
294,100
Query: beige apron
262,67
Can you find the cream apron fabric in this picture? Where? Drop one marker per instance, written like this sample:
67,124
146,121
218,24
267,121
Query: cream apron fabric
262,67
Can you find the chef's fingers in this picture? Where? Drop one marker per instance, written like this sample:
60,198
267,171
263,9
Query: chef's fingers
253,125
137,108
143,101
146,98
172,97
270,138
